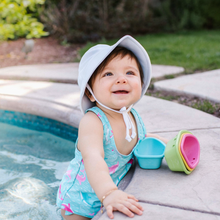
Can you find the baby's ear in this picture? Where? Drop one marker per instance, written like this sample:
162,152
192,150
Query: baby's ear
89,95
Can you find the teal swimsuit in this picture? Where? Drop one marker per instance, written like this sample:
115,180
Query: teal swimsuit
75,195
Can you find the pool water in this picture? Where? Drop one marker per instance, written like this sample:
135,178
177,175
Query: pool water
32,164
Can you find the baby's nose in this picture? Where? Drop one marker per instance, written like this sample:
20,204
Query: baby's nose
121,79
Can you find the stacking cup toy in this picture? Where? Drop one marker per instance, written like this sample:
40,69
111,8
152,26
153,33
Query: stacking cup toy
149,153
190,150
172,154
184,161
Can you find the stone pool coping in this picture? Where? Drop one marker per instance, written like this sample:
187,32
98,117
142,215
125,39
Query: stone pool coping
163,194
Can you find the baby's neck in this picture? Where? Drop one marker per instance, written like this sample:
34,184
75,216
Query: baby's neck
111,113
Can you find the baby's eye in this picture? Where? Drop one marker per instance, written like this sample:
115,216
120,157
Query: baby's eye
130,73
108,74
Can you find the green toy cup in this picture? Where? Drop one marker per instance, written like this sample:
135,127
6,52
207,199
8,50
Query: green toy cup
172,155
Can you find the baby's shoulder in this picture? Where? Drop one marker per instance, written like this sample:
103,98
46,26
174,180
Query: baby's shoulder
90,119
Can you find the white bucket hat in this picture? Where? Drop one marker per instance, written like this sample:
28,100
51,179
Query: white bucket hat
94,57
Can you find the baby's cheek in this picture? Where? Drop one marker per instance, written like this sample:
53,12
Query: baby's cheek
138,88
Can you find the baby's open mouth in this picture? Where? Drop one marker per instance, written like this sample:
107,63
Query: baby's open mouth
120,92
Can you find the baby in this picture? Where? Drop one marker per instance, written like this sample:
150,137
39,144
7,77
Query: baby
111,79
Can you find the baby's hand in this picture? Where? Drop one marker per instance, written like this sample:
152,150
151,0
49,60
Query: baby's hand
123,202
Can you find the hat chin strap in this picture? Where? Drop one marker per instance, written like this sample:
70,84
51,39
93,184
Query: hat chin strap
128,122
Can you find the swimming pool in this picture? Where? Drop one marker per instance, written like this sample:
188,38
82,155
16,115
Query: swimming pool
34,154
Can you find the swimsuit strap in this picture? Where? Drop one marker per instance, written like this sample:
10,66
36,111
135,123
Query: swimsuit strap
142,133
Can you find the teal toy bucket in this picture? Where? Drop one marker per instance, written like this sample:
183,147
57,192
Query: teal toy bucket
149,153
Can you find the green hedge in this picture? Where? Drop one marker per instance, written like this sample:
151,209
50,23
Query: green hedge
18,19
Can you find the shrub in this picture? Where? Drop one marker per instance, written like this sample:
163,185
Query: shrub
188,14
17,19
81,21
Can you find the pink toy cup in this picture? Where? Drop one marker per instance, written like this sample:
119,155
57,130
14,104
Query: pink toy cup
190,150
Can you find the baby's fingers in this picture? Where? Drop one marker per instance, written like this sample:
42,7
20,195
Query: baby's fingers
125,210
109,210
132,197
136,204
133,206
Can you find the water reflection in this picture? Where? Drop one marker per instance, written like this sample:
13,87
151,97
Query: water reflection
31,167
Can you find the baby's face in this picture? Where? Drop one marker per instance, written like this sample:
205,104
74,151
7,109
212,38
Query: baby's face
118,84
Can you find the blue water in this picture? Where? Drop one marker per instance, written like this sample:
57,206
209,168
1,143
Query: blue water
32,163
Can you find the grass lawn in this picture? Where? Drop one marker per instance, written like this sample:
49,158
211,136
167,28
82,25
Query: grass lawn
193,50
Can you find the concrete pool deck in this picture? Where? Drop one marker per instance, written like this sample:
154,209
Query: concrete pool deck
163,194
205,85
67,72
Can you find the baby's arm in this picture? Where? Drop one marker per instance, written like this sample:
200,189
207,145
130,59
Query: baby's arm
158,137
91,146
